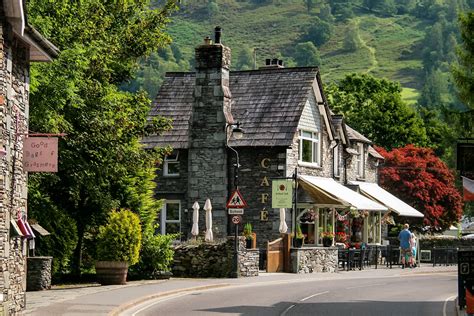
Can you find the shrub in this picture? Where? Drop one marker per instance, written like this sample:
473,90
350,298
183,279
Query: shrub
156,256
248,231
120,239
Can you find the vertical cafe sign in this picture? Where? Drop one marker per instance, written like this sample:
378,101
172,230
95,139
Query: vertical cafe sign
40,154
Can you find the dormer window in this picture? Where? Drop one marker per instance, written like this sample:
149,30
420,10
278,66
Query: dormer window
171,165
310,147
360,160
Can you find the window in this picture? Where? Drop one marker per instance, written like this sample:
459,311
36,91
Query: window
314,221
171,166
360,160
336,164
171,217
310,147
372,233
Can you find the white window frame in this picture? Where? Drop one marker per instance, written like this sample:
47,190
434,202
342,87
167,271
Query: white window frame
164,221
372,228
336,162
360,161
171,160
316,144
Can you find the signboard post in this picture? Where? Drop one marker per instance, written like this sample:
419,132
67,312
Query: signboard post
465,276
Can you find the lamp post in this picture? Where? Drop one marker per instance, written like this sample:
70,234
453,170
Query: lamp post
237,132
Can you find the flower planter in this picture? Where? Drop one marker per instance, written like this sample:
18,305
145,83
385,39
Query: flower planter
298,242
249,243
327,242
111,272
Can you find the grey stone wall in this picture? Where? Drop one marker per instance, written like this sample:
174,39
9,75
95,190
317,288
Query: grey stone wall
38,273
214,260
259,166
370,169
14,88
207,161
314,259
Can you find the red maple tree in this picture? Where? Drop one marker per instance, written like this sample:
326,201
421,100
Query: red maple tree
418,177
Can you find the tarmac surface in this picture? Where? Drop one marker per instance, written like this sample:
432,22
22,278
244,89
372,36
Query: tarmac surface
93,299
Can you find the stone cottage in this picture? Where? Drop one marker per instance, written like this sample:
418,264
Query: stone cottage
287,128
20,44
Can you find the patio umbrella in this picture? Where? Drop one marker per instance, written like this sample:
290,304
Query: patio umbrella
195,229
208,208
283,226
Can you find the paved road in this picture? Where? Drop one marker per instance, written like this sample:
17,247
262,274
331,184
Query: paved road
412,294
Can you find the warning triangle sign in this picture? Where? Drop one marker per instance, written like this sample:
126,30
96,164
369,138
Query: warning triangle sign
236,200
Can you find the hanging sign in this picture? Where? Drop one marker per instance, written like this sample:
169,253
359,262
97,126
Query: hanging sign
40,154
282,196
236,200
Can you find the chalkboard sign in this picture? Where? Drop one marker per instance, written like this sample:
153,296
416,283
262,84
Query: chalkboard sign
465,275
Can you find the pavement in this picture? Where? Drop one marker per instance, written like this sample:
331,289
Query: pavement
94,299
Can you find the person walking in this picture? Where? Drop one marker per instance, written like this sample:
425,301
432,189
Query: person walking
405,248
413,250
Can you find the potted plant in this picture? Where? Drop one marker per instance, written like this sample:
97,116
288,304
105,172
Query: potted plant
327,238
248,235
299,237
118,246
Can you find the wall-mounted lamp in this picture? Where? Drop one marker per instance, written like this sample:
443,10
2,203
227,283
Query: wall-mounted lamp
237,132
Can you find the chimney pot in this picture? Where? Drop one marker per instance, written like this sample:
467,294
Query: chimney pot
268,62
274,61
207,40
280,63
217,34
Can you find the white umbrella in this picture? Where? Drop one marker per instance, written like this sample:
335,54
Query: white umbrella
283,226
195,229
208,208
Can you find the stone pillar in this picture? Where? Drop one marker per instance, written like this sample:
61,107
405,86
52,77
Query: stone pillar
207,163
38,273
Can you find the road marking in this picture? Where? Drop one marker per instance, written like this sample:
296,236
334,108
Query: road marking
446,303
366,285
311,296
157,302
286,310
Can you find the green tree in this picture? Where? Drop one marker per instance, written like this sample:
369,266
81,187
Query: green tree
101,155
375,108
245,59
352,40
464,71
319,32
306,54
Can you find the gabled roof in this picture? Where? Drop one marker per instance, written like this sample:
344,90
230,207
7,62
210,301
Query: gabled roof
40,48
356,136
268,103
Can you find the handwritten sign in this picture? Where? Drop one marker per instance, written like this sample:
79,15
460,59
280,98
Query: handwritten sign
40,154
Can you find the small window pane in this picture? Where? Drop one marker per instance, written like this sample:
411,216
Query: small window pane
172,211
172,228
316,152
173,168
307,134
307,151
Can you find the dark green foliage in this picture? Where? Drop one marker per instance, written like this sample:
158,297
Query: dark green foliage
306,54
245,59
352,40
100,44
156,255
464,71
374,108
120,239
319,32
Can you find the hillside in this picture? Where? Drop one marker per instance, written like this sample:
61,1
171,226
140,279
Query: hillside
393,41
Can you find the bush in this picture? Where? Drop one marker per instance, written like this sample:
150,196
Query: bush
156,256
120,239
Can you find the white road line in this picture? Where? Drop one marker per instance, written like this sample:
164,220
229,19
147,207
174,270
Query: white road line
446,303
366,285
286,310
307,298
154,302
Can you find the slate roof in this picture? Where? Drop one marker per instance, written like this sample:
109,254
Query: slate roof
268,103
355,135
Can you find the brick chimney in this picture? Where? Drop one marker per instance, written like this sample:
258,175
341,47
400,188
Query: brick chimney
211,111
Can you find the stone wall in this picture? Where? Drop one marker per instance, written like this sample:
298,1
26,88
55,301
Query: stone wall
14,87
214,260
39,273
314,259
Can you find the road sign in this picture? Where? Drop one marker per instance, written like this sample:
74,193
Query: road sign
235,211
236,219
236,200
